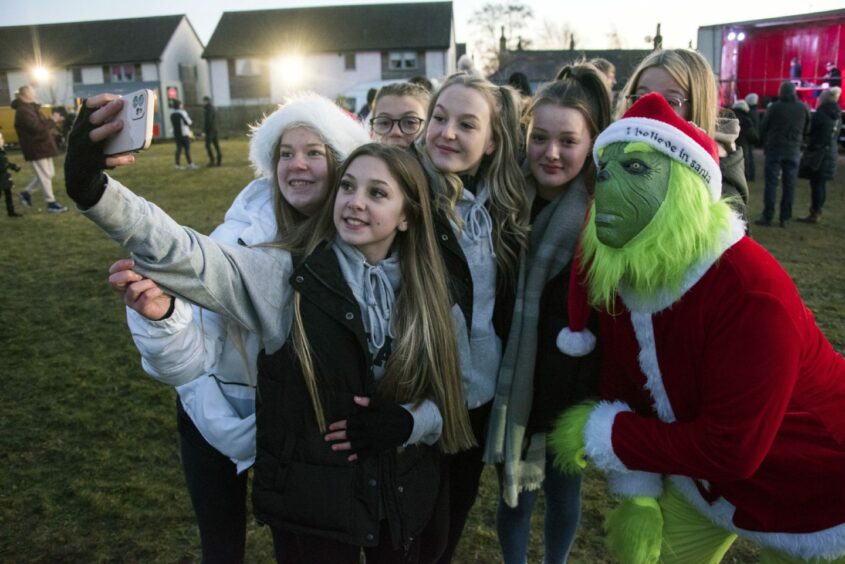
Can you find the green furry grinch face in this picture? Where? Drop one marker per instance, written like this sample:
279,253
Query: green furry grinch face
631,185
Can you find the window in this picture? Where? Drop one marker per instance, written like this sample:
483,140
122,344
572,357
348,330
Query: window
77,75
349,61
122,73
247,67
402,60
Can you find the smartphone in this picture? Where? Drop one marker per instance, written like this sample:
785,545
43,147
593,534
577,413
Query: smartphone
138,115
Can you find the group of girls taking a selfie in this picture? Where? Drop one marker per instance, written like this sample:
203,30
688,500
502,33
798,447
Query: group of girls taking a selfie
374,320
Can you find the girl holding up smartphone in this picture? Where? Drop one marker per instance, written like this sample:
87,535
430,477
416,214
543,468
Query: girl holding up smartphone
359,346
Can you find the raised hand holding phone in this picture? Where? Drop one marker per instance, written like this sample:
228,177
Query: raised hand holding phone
137,115
85,160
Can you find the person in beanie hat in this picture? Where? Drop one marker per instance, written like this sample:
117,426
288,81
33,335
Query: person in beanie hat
724,404
295,153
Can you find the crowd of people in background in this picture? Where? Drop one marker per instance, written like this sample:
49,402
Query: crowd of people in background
392,285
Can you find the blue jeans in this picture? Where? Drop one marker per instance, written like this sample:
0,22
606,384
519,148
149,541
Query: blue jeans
563,511
777,165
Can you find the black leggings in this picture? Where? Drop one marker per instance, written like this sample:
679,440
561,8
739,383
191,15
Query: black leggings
218,494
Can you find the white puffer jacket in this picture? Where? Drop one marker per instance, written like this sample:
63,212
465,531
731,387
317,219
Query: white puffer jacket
210,359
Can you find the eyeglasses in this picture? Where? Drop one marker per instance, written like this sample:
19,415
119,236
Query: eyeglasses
676,103
408,125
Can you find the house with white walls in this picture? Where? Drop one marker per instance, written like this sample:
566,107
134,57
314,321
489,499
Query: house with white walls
69,61
260,57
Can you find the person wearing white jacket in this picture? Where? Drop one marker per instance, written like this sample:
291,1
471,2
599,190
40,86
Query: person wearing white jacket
295,152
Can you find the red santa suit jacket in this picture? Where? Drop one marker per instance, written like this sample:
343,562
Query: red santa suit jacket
728,386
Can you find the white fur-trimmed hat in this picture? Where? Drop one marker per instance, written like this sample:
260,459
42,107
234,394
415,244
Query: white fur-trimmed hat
338,129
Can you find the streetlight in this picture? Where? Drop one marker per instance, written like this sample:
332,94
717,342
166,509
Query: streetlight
291,69
40,74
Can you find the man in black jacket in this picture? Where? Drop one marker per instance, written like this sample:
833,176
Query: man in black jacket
209,113
783,130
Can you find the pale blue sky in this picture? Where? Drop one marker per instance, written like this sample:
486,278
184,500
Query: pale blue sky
592,20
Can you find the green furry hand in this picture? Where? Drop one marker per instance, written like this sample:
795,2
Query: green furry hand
567,438
635,531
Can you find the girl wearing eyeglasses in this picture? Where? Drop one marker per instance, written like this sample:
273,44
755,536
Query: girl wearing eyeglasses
685,79
399,113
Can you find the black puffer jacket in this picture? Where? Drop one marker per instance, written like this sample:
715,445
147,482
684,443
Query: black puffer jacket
786,124
301,485
824,134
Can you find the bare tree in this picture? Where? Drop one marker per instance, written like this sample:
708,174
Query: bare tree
557,35
494,19
614,40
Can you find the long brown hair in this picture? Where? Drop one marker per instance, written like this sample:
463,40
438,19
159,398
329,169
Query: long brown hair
424,362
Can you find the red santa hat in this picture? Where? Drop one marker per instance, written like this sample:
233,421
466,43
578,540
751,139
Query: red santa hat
651,120
576,339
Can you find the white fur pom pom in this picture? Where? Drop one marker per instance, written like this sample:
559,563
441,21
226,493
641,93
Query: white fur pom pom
577,343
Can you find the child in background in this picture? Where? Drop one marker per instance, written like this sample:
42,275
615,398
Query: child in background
6,183
399,113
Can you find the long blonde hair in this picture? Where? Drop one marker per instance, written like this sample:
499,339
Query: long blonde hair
508,205
424,361
692,72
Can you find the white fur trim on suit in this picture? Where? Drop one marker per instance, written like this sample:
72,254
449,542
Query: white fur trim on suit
827,543
668,140
337,128
576,343
635,483
598,436
644,330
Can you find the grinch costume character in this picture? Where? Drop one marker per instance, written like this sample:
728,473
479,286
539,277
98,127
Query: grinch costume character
724,404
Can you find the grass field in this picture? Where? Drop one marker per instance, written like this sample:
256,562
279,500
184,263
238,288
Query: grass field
89,464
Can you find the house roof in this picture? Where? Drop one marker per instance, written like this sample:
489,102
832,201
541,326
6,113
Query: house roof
542,66
372,27
87,43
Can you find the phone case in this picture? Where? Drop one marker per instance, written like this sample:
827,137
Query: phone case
138,115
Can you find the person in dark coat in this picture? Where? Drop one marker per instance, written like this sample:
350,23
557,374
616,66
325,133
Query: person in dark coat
783,130
824,132
748,136
35,134
209,124
833,76
6,183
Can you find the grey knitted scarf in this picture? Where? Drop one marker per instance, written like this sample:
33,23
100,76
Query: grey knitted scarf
554,235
